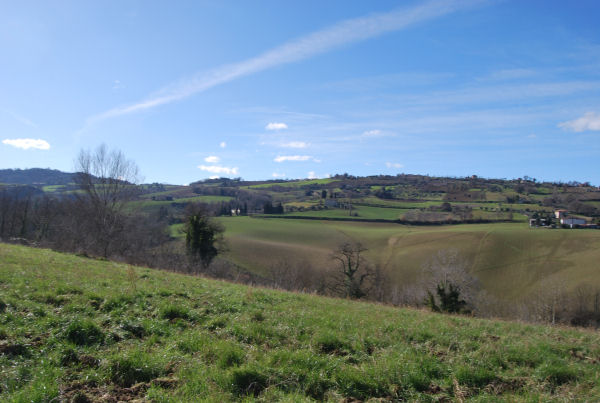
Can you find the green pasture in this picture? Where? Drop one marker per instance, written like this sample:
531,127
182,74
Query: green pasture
144,204
52,188
357,213
77,330
308,182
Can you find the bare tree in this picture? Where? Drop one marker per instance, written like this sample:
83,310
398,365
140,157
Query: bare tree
446,274
108,181
353,272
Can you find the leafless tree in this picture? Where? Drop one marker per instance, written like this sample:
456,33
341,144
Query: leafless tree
448,269
353,273
108,181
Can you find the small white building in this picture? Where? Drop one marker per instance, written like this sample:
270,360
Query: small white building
559,214
572,221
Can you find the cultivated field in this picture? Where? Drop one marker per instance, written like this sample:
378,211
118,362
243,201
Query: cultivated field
510,259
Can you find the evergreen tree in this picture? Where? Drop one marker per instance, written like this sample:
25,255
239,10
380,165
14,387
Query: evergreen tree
201,239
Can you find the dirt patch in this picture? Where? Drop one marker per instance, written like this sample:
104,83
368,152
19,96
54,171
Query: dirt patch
582,357
80,392
13,350
501,386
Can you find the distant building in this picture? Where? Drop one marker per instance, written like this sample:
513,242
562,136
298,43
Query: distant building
558,214
572,221
538,222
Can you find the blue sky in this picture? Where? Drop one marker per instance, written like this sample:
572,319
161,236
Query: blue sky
282,89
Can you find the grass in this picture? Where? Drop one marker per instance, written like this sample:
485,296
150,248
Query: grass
509,259
293,184
181,338
358,213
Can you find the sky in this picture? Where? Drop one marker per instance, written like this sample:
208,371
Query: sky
278,89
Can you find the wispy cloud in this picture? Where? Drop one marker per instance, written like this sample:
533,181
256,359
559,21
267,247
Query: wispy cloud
312,175
276,126
278,175
295,144
217,169
371,133
21,119
212,159
117,85
26,144
588,122
223,144
282,158
510,74
394,165
342,33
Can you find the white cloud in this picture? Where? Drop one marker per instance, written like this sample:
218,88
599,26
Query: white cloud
26,144
278,175
281,158
276,126
295,144
213,177
217,169
325,40
212,159
372,133
223,144
312,175
589,121
393,165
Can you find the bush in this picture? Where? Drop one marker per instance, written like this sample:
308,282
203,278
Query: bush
84,333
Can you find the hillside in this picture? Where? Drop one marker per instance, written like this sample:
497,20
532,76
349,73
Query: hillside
35,176
510,260
75,328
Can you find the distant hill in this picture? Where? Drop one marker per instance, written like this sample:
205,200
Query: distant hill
36,176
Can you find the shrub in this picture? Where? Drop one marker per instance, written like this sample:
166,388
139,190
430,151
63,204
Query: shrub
84,333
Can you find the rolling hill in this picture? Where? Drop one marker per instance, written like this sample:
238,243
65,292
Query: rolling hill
77,329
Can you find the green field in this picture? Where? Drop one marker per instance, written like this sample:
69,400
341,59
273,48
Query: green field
145,204
76,329
293,184
357,212
510,259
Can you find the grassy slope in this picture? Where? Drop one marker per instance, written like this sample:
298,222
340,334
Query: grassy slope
509,259
73,325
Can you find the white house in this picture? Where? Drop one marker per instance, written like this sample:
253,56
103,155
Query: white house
572,221
559,214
